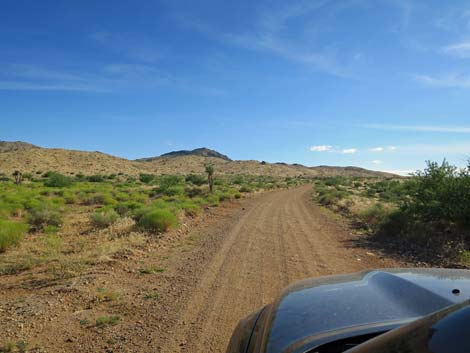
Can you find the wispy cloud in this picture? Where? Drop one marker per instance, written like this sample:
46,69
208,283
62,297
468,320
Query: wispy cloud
108,78
39,78
446,81
32,86
377,161
461,49
349,150
376,149
269,35
419,128
321,148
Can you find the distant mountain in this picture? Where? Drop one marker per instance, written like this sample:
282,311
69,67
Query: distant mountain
8,146
202,152
37,160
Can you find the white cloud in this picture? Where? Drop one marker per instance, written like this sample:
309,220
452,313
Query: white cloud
349,151
321,148
376,161
419,128
391,148
376,149
446,81
403,172
461,50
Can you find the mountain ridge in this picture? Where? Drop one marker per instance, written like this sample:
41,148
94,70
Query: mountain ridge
33,159
202,151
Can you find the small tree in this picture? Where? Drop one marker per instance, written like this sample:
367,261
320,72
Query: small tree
18,177
210,176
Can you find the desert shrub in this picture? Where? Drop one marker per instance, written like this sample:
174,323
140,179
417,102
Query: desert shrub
212,200
193,191
146,178
70,198
97,178
440,192
170,180
80,177
375,216
99,199
44,215
103,219
245,188
237,195
190,209
333,181
225,196
159,220
124,208
196,179
57,180
47,174
238,180
331,197
104,321
174,190
11,234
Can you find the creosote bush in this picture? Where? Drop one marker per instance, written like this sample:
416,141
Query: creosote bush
103,219
158,220
44,215
57,180
11,234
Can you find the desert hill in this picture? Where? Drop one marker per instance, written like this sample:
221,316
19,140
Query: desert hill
202,152
32,159
7,146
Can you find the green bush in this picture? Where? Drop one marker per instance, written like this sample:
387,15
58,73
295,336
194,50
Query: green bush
11,234
146,178
159,220
245,188
213,200
331,197
193,191
95,178
190,209
375,216
44,215
104,321
103,219
196,179
57,180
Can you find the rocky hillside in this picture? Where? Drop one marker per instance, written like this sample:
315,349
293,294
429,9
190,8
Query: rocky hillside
201,152
6,146
32,159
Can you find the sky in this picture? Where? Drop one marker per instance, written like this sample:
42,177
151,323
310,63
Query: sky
380,84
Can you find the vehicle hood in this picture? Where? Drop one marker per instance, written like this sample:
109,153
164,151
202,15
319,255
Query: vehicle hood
312,311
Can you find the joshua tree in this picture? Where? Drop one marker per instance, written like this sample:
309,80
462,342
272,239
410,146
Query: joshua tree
210,176
18,177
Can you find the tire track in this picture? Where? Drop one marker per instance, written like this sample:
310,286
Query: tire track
281,237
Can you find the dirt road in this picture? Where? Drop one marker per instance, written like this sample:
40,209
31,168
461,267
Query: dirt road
185,290
279,238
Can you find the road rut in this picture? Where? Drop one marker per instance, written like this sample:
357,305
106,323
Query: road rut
278,238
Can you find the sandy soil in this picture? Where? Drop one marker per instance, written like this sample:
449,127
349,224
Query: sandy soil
205,277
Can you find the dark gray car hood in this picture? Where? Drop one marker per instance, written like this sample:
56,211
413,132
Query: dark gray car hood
310,310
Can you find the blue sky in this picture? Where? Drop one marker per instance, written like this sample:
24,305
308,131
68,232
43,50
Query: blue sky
382,84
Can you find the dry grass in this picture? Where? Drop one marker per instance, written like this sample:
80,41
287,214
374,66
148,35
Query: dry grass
66,255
